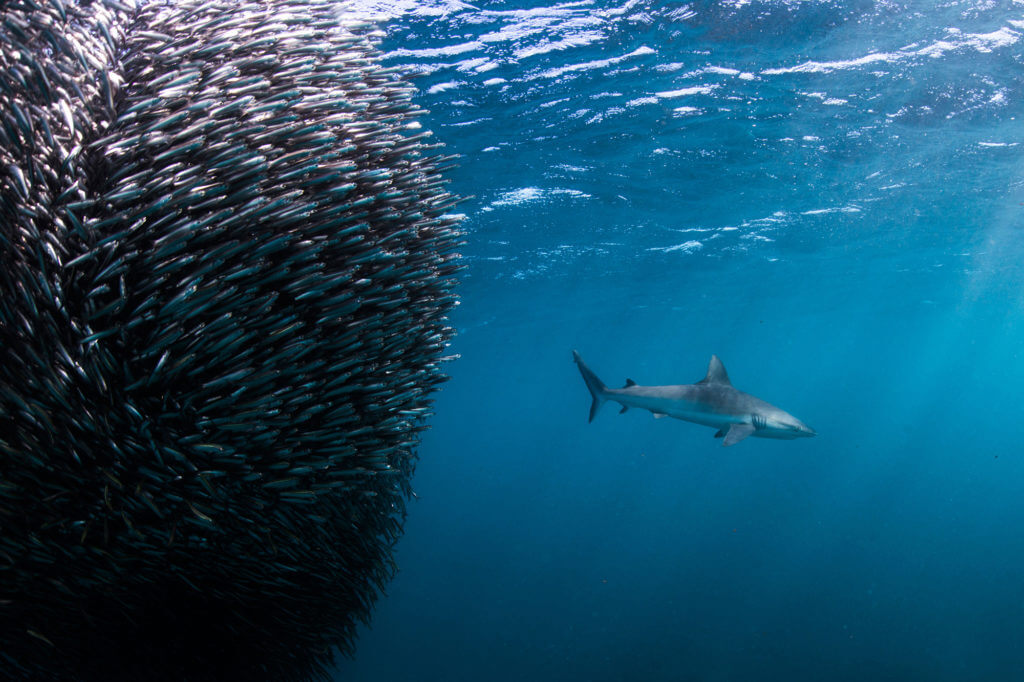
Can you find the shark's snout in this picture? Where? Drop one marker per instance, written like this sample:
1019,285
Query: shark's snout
792,427
805,431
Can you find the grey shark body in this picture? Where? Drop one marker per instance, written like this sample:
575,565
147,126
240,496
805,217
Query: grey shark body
713,402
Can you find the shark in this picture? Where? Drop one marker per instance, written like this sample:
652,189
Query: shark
712,401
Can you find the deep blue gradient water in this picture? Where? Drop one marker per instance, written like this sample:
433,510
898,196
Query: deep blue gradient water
827,194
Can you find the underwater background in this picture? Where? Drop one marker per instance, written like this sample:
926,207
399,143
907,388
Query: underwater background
826,194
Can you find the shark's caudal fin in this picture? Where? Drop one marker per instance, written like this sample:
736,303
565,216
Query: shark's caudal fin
596,386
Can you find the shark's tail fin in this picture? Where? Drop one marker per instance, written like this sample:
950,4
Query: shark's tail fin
596,386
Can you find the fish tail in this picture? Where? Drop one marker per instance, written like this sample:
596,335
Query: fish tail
595,385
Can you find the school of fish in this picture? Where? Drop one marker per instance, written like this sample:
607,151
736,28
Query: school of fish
228,257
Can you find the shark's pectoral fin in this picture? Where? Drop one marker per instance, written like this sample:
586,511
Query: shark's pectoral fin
721,433
737,432
658,415
624,408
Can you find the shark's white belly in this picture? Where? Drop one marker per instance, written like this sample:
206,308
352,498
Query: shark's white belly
682,409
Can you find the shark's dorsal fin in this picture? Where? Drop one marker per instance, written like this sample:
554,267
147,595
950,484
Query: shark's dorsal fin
629,382
716,373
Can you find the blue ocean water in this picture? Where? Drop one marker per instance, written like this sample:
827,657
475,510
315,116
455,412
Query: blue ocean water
827,194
